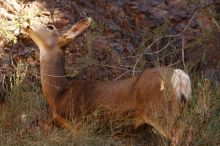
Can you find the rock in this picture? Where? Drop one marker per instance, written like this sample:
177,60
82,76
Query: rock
131,48
117,47
182,14
212,74
112,26
155,2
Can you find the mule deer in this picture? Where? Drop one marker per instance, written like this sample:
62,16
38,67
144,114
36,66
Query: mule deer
145,95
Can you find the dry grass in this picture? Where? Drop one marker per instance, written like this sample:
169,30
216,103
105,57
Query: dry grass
200,123
25,120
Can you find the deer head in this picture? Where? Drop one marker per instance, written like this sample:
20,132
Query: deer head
48,37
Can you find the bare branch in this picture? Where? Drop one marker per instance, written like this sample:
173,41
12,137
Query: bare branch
173,36
213,19
121,75
183,53
177,62
160,49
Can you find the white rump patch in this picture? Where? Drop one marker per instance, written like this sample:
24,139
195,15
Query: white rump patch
181,84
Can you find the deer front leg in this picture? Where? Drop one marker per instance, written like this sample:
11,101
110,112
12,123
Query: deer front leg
62,122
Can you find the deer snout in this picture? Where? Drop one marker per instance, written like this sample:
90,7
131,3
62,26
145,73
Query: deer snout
31,25
26,26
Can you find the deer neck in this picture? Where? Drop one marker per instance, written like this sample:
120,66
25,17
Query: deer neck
52,71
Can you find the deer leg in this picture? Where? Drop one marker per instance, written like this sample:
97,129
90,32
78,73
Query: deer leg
176,133
138,122
60,121
161,130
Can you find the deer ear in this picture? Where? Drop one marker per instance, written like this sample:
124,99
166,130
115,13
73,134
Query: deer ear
76,30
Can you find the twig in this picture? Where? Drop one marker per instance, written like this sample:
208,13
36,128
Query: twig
172,36
111,66
166,36
135,65
170,65
122,75
177,35
213,19
183,54
156,52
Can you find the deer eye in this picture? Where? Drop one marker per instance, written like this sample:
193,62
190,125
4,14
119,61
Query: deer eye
51,27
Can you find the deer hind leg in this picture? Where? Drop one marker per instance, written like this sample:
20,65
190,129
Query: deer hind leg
176,135
138,122
161,130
